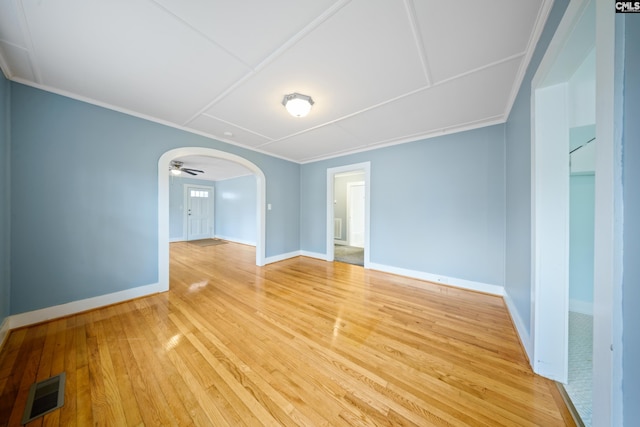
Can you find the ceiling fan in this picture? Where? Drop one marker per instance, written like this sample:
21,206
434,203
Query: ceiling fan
176,169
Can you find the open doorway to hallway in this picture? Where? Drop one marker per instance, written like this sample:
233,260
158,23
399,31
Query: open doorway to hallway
349,217
348,214
564,159
164,204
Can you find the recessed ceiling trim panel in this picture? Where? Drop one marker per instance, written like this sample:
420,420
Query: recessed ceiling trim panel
472,98
128,53
347,64
227,131
251,29
314,143
468,34
16,61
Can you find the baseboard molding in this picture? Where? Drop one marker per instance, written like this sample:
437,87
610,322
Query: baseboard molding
582,307
234,240
451,281
316,255
5,328
281,257
176,239
523,334
340,242
74,307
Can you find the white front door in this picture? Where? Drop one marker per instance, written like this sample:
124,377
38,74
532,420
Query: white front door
355,213
199,212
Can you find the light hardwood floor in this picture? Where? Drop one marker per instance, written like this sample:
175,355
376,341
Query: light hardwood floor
299,342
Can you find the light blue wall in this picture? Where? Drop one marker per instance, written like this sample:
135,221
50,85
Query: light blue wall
84,198
236,214
580,135
176,202
518,180
581,237
5,210
437,205
631,244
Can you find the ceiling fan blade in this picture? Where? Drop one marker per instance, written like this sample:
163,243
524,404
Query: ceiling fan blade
192,170
188,171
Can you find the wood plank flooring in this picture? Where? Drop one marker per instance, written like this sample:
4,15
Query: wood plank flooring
299,342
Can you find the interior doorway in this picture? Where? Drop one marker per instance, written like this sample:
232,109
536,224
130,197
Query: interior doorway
163,204
563,126
348,214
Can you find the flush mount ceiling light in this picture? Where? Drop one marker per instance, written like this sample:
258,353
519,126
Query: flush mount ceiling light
297,105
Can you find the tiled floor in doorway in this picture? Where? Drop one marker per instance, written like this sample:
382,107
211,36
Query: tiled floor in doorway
580,386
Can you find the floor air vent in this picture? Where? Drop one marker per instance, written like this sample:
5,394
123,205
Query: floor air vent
44,397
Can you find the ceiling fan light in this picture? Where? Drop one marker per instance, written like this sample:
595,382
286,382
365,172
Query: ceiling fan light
297,105
175,172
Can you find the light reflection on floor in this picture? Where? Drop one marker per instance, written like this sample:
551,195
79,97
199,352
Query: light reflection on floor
198,285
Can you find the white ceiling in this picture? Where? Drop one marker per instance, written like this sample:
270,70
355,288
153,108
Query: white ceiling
213,169
380,72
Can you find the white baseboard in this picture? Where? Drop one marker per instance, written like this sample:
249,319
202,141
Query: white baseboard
281,257
451,281
340,242
176,239
234,240
523,334
314,255
62,310
4,331
582,307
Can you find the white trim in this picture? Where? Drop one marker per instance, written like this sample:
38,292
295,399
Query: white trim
541,22
316,255
177,239
163,203
444,280
5,328
281,257
521,329
331,173
74,307
550,231
350,186
340,242
496,120
572,16
607,291
234,240
549,323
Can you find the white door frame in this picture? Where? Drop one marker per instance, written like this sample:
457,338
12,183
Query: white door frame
350,185
185,214
331,173
163,204
607,344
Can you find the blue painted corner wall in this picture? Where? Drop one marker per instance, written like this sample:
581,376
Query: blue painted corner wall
437,205
84,198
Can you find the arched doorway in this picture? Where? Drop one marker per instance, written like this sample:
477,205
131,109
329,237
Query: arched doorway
163,204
